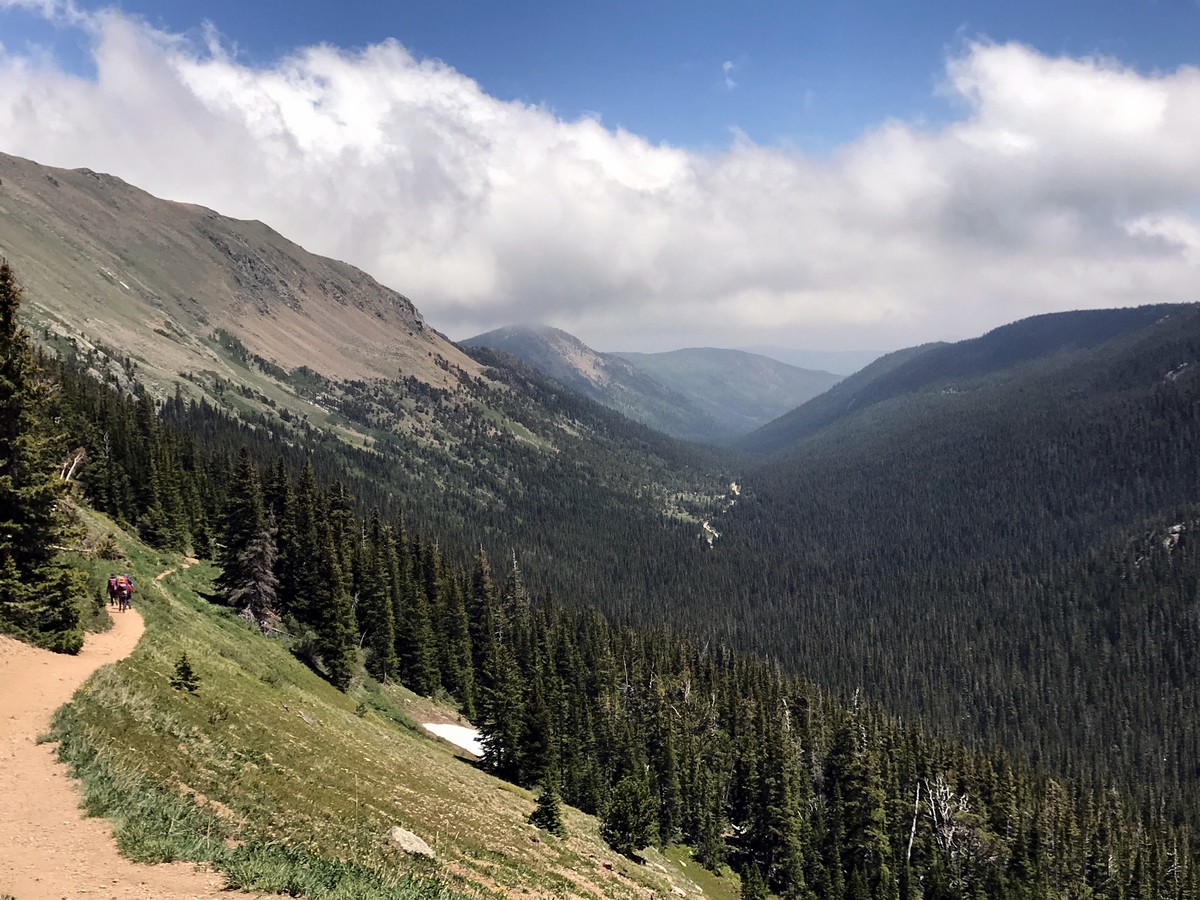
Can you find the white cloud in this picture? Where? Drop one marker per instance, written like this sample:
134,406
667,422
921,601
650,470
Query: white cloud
1065,183
727,70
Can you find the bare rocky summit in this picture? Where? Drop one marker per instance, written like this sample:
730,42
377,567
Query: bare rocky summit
103,262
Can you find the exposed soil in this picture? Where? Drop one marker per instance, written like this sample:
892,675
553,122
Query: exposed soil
47,850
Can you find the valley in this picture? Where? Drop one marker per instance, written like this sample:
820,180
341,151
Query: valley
966,572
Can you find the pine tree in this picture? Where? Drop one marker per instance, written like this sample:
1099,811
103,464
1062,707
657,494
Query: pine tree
335,625
537,750
301,580
255,597
753,885
374,592
39,599
483,604
548,813
858,801
244,521
416,652
455,660
629,822
185,678
502,712
664,765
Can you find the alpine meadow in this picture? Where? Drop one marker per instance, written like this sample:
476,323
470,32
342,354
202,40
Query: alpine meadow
722,626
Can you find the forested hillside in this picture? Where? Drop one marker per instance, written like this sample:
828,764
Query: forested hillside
994,541
1008,551
740,390
1006,353
667,740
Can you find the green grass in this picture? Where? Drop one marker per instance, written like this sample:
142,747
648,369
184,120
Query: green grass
723,886
284,784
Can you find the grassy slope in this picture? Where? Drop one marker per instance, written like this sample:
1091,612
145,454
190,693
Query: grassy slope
275,777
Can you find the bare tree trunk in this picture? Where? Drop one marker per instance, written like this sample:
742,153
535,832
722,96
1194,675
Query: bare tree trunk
913,833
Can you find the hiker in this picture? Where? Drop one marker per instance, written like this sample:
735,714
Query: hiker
124,592
112,589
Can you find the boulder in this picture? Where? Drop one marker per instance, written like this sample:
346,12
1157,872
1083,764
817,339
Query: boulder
408,842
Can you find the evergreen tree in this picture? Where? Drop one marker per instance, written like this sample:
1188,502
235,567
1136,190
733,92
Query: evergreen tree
416,651
858,802
754,887
629,821
39,600
483,608
255,597
335,625
185,678
501,711
664,765
709,838
537,742
303,581
775,836
548,814
245,519
374,593
455,659
279,500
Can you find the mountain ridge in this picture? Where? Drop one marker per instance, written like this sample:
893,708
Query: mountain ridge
950,366
91,247
705,395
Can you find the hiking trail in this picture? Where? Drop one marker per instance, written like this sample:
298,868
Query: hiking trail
47,848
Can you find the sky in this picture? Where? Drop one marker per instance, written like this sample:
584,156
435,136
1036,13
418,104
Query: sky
655,175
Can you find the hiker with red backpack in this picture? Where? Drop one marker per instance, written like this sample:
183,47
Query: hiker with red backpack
124,590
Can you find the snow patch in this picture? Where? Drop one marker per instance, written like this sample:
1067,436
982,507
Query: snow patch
459,735
1175,373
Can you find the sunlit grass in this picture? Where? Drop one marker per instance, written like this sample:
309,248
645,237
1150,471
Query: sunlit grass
284,784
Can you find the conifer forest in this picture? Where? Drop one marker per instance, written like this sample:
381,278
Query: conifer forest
989,693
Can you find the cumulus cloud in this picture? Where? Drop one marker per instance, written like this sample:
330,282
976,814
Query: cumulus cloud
1064,183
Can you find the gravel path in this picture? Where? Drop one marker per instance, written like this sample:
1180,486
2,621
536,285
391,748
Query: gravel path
47,850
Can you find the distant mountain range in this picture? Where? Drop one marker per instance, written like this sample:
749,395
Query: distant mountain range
706,395
840,362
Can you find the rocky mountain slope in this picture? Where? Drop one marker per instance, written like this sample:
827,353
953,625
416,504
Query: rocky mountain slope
106,264
305,350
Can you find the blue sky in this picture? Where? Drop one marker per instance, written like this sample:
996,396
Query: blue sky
810,73
654,175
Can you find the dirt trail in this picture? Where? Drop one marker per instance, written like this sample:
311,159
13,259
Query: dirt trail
47,850
188,562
